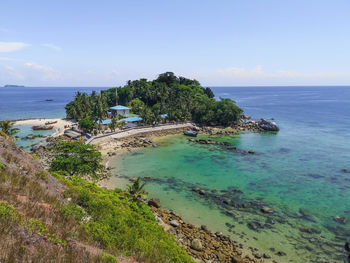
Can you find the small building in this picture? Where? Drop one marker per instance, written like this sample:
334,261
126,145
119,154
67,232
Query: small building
120,110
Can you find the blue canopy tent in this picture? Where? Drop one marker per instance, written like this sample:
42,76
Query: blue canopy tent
104,122
132,119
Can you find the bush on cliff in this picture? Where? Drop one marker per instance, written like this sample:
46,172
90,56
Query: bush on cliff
121,224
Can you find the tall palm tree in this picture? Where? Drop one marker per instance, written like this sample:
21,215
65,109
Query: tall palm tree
6,127
136,189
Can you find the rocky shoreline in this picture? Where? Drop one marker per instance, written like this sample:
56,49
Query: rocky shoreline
202,244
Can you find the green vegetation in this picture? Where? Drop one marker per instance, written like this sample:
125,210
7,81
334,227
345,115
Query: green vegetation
8,212
137,190
181,98
2,167
78,159
86,124
42,175
119,223
7,128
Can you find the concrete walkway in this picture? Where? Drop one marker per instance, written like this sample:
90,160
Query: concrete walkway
137,130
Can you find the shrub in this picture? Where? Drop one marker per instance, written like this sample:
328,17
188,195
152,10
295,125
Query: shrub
42,175
8,212
2,167
35,157
72,210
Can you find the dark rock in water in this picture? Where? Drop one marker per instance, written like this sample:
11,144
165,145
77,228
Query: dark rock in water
310,230
340,219
280,253
218,234
251,152
268,125
132,179
202,192
154,202
266,210
266,255
347,246
345,170
196,189
204,227
147,178
284,150
315,176
255,226
305,215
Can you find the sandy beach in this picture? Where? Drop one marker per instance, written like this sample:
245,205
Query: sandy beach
58,127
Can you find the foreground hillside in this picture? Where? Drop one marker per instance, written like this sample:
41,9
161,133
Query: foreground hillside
51,217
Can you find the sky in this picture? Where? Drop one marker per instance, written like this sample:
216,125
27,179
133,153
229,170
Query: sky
219,43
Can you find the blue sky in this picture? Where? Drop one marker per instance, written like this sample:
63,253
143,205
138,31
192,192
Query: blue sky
231,43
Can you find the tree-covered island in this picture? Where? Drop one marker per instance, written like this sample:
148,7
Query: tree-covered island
177,98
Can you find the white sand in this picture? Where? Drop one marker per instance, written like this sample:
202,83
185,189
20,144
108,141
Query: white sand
58,127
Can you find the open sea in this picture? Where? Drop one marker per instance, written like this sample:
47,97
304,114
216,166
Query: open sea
301,171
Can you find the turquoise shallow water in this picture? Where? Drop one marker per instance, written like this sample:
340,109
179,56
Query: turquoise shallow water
300,167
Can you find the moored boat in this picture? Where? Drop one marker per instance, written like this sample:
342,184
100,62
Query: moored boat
42,127
50,122
191,133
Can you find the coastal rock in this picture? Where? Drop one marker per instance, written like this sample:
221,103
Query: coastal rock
132,179
174,223
202,192
347,246
268,125
196,245
266,210
154,202
340,219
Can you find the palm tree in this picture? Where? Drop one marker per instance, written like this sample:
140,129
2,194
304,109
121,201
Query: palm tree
136,190
6,127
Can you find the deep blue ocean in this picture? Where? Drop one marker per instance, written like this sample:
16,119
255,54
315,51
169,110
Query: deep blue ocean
301,168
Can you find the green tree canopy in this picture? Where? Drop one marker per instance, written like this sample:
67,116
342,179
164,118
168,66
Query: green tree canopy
181,98
78,159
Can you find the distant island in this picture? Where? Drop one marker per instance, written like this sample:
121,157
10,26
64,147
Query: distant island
13,86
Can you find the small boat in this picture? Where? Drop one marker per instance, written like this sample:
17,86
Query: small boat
191,133
50,122
42,127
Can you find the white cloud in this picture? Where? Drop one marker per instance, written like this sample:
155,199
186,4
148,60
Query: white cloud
45,72
12,46
5,59
52,46
258,73
13,73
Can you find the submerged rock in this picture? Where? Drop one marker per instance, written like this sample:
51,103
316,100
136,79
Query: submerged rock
266,210
347,246
340,219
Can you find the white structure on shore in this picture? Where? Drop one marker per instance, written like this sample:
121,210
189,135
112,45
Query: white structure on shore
120,110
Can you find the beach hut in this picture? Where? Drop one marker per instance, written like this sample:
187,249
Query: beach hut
120,110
